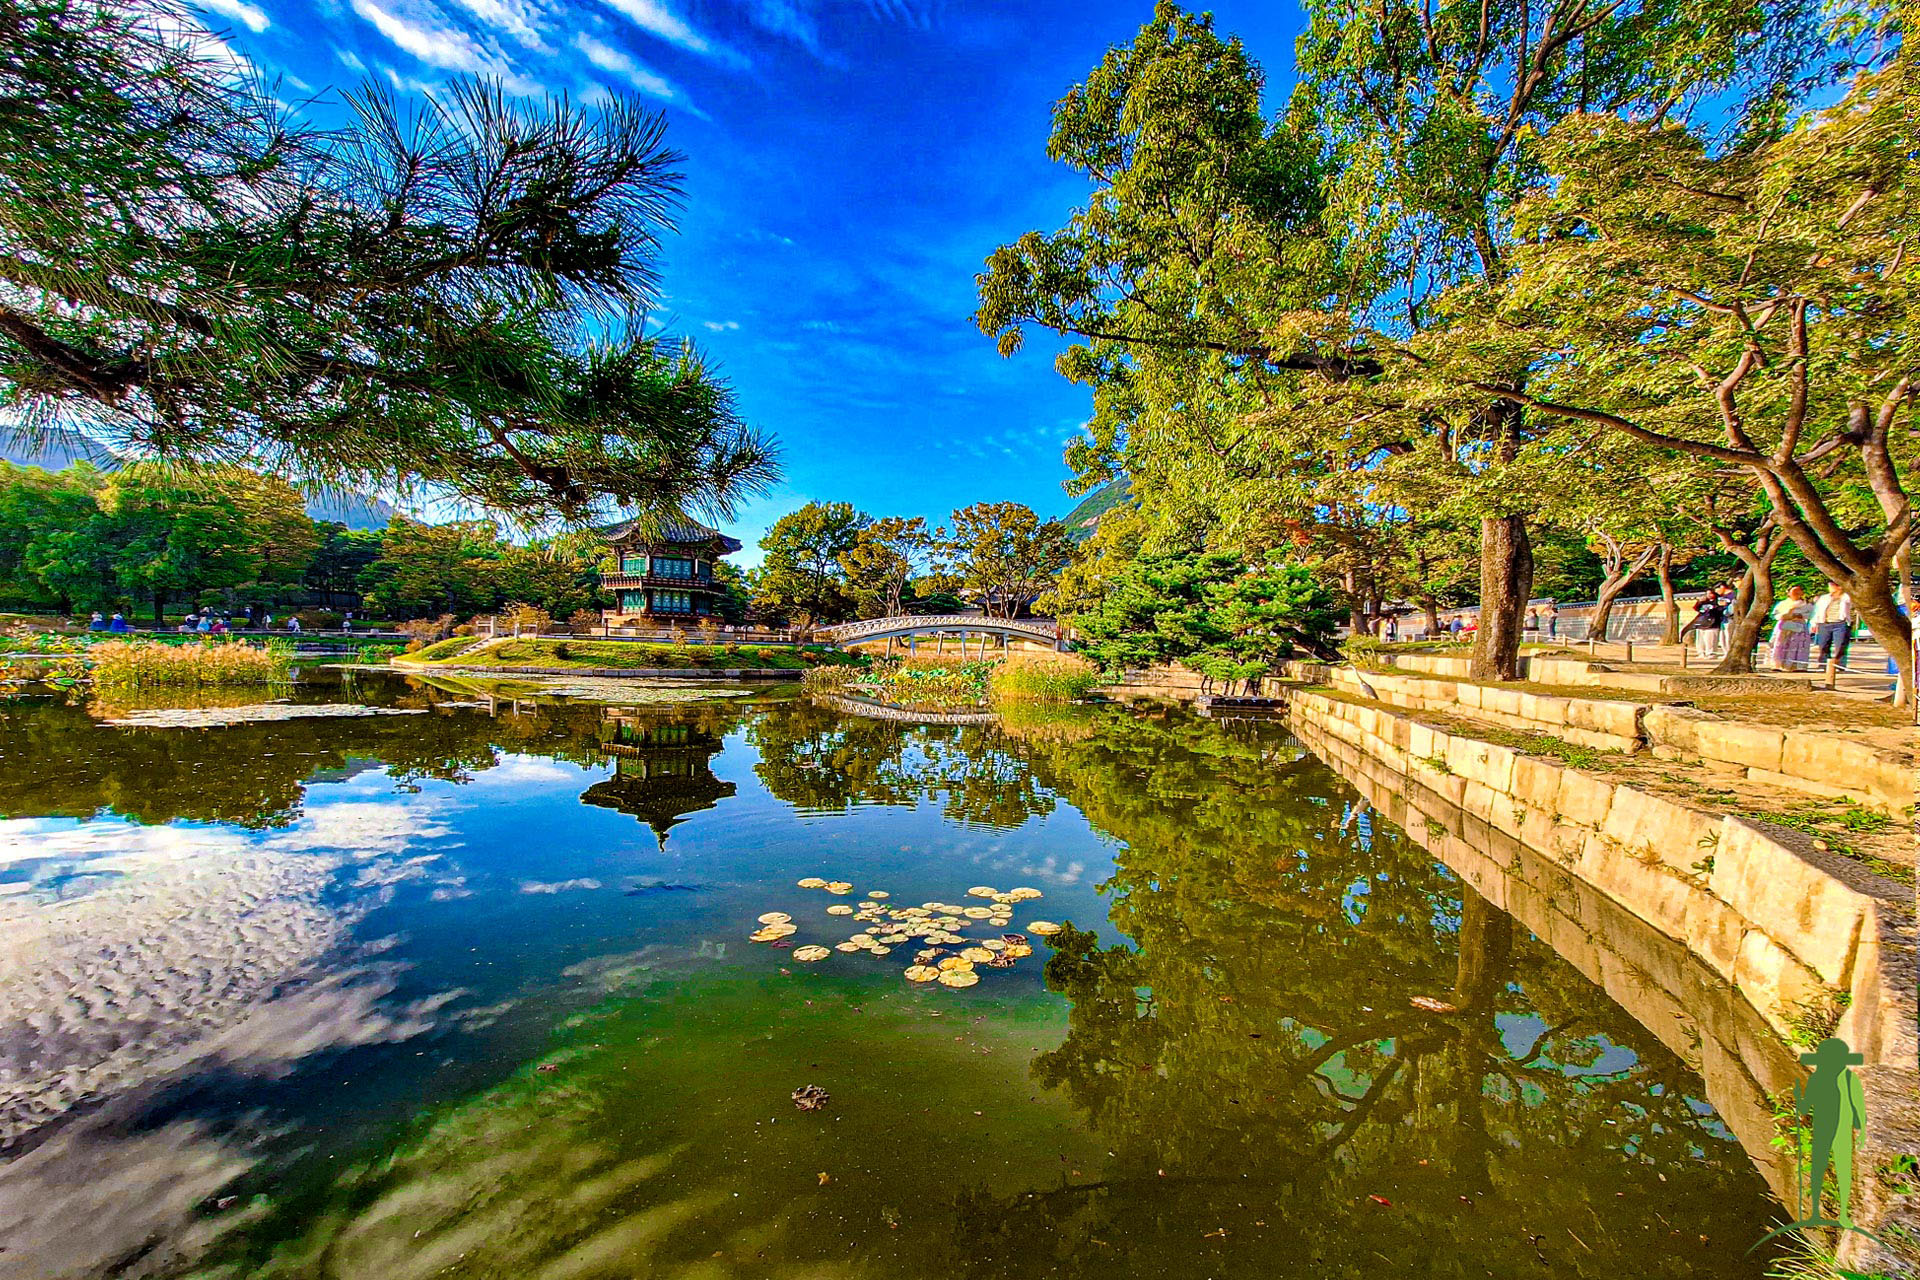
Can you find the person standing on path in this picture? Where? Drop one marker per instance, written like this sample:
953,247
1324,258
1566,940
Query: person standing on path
1553,620
1833,625
1790,632
1709,626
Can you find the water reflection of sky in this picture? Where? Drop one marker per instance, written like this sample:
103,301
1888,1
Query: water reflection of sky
262,1006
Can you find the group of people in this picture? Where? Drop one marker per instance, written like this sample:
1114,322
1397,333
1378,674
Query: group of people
207,622
1799,624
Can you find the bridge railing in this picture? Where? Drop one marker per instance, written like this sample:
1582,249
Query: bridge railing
904,624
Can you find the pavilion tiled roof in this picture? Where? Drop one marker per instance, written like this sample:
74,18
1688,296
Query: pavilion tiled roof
674,527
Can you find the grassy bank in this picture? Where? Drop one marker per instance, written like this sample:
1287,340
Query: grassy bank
584,655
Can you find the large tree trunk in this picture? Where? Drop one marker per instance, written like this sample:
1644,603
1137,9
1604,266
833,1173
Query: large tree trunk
159,608
1431,607
1670,607
1620,575
1506,580
1747,626
1873,601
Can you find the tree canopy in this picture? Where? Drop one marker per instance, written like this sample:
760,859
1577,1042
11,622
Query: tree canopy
448,295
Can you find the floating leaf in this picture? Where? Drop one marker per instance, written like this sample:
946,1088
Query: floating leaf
839,909
839,886
951,963
879,895
959,978
811,954
978,955
775,917
982,891
922,973
976,913
845,946
812,882
1045,928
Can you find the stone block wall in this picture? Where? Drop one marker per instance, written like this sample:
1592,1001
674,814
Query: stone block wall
1820,764
1793,931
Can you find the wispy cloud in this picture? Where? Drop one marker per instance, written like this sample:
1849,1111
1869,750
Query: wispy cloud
656,19
435,46
240,11
787,19
721,326
616,62
519,20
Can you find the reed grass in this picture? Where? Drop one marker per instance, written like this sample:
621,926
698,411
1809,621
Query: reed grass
1043,677
139,663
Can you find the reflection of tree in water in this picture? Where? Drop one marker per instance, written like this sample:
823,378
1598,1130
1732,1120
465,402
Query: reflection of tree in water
57,761
819,759
1255,1058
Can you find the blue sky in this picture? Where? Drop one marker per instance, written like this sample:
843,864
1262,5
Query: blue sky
850,163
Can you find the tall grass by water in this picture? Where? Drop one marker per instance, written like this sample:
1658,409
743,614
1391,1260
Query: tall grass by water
140,663
1043,677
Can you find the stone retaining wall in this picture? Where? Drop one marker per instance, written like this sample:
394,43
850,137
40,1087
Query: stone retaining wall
1793,931
1818,763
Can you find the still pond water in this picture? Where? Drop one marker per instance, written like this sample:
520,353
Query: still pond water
470,993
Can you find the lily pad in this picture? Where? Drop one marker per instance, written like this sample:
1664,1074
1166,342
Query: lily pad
1045,928
978,955
839,909
922,973
810,954
959,978
950,963
812,882
775,917
982,891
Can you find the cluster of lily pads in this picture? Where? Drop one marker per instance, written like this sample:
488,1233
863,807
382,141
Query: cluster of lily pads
937,925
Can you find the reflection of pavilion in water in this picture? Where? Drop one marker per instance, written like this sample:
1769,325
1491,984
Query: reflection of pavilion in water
663,771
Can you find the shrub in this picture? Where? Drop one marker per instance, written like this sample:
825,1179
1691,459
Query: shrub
1049,677
421,632
526,619
319,620
563,651
583,622
127,664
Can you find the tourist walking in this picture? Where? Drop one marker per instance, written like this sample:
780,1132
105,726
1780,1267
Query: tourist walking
96,622
1832,624
118,623
1533,621
293,623
1553,620
1710,626
1790,631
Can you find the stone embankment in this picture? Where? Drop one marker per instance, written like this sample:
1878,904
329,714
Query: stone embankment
1813,943
1822,764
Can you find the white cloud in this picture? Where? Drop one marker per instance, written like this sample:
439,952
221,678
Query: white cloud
435,46
240,11
521,21
721,326
350,60
612,60
655,18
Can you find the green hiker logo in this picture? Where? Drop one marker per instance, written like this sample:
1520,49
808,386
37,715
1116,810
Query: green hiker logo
1835,1108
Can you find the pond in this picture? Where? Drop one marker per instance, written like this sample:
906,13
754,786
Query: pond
469,991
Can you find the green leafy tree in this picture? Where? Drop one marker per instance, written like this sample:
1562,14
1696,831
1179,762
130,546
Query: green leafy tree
1004,556
432,569
885,557
50,551
342,555
445,296
1157,609
1254,302
1748,309
801,571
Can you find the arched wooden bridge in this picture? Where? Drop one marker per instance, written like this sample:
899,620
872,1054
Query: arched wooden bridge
912,627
